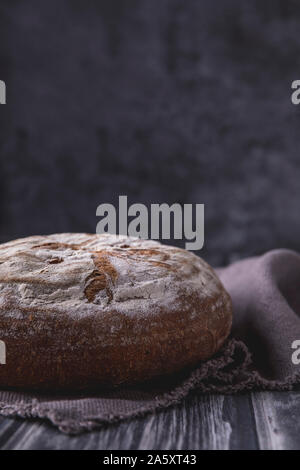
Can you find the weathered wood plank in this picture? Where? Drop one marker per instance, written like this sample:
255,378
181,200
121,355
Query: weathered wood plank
259,420
8,427
200,422
238,411
277,420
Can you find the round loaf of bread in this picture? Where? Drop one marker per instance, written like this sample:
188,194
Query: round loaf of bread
81,311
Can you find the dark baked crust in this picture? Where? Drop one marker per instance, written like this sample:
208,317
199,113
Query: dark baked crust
114,333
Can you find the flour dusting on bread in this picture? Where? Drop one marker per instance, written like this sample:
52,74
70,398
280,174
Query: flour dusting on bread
80,272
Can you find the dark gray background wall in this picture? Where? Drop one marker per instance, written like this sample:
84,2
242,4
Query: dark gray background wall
162,100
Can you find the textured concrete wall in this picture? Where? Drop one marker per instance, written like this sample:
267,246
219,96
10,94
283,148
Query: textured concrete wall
162,100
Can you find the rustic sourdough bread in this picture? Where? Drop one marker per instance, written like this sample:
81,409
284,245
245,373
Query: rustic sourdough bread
79,311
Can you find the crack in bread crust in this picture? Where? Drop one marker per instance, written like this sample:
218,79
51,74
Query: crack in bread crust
101,278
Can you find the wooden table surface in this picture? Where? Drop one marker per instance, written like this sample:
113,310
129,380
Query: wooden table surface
264,420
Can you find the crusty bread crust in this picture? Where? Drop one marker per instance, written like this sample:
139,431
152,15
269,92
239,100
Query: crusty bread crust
80,311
